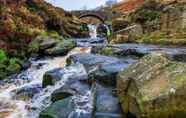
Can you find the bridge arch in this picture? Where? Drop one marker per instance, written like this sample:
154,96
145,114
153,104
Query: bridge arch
97,16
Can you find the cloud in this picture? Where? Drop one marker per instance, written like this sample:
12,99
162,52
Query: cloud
77,4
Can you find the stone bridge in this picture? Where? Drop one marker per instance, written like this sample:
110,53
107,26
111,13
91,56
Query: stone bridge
101,15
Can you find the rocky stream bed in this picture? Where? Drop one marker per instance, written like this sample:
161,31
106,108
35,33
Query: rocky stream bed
97,80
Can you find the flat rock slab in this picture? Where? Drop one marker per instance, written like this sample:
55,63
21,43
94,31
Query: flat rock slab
139,50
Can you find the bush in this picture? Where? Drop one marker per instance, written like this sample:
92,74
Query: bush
148,15
3,56
33,47
8,65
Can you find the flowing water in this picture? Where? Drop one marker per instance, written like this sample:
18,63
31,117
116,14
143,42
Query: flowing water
92,31
10,107
13,107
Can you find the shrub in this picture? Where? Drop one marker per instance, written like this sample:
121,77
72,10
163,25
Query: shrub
148,15
3,56
33,47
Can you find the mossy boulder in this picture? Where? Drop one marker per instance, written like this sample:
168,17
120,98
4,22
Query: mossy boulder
154,87
61,48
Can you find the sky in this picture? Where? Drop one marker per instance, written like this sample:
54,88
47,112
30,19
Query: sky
77,4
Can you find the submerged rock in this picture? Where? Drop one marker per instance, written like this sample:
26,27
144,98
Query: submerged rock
154,87
61,48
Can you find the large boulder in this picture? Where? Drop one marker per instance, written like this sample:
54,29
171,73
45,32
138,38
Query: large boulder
154,87
61,48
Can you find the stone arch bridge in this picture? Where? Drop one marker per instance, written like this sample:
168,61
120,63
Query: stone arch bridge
100,15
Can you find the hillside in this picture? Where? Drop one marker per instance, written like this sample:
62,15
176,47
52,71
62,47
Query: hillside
22,21
154,21
128,5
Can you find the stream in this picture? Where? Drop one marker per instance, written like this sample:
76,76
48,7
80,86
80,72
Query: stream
22,95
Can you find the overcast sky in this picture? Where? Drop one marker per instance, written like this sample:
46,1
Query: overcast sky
77,4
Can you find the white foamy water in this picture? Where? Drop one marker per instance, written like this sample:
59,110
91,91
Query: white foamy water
92,31
12,108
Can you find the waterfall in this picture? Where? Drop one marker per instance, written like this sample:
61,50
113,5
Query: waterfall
92,31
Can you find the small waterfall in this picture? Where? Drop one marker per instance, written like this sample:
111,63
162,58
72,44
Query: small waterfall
11,107
92,31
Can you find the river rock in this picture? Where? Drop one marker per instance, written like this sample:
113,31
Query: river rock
154,87
59,109
51,77
61,48
101,68
70,89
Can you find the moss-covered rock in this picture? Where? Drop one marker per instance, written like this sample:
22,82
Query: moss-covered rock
61,48
154,87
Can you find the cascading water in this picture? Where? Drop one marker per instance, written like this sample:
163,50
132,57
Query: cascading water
11,107
92,31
